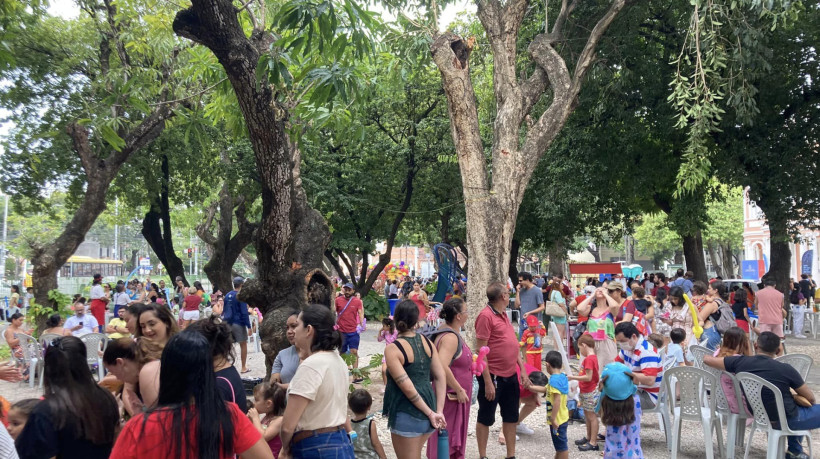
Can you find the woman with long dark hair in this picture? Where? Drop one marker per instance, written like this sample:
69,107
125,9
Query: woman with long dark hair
120,360
228,380
458,357
413,410
77,418
317,394
155,326
191,420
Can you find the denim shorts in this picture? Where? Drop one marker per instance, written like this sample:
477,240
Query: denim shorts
411,427
349,341
559,437
329,445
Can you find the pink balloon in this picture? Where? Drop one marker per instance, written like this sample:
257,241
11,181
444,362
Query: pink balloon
479,363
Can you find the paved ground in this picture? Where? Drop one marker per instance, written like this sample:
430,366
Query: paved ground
539,445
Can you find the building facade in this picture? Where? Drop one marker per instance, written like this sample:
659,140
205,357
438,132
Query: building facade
756,240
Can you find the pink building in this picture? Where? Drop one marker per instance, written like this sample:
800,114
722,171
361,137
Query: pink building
756,244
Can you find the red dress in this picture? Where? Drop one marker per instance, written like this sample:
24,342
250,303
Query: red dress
420,304
456,414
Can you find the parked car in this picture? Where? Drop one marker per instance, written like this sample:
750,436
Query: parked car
734,284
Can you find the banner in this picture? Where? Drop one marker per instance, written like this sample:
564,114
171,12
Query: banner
750,269
806,262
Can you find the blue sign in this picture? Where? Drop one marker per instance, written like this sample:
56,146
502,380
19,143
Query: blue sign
750,269
806,262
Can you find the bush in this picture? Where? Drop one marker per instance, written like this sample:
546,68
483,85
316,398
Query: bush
376,306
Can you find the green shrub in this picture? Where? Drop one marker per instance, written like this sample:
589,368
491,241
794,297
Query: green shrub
376,306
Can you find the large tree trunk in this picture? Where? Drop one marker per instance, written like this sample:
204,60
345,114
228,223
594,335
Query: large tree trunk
48,259
513,272
693,253
224,247
292,236
518,139
728,262
780,255
558,258
713,256
161,237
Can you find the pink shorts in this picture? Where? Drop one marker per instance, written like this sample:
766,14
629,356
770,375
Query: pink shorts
777,329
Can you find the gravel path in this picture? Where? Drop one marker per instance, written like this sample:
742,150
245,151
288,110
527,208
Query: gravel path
538,445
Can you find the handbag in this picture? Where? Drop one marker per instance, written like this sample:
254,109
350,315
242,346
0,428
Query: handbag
552,308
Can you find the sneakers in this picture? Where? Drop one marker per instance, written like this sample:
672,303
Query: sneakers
800,455
523,429
801,336
588,447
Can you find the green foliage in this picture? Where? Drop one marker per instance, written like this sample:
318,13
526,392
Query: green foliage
723,54
37,314
363,371
376,306
655,238
59,299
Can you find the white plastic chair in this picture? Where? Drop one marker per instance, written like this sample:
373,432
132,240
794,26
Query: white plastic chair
47,338
95,343
661,408
694,405
254,335
735,419
753,387
33,356
700,351
801,362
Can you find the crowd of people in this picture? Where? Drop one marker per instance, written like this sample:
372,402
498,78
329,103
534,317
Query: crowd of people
173,388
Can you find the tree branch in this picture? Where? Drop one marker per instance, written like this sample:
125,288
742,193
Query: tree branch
588,53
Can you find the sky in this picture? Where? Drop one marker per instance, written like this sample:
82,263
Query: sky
68,9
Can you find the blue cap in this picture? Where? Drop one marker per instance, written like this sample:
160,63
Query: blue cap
348,285
618,385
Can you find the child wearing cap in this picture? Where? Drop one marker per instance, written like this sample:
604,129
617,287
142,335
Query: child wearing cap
620,410
532,339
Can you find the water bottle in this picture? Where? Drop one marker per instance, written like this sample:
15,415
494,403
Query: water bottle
443,444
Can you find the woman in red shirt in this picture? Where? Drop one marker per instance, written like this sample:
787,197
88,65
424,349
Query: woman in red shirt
191,419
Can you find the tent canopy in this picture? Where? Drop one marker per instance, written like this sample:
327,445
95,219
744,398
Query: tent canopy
595,268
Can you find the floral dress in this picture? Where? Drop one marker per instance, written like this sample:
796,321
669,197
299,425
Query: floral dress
682,318
624,442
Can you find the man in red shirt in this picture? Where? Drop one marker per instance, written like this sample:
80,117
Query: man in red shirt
349,314
498,385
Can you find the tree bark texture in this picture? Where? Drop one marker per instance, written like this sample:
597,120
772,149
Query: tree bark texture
100,170
557,259
713,256
160,236
780,256
728,262
225,247
695,259
514,250
492,203
292,236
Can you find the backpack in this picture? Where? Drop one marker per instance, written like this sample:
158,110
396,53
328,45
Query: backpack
639,320
794,297
727,317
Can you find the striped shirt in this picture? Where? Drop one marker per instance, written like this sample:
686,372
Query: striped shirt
644,359
7,450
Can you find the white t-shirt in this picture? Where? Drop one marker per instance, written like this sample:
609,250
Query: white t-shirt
97,292
322,379
90,325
